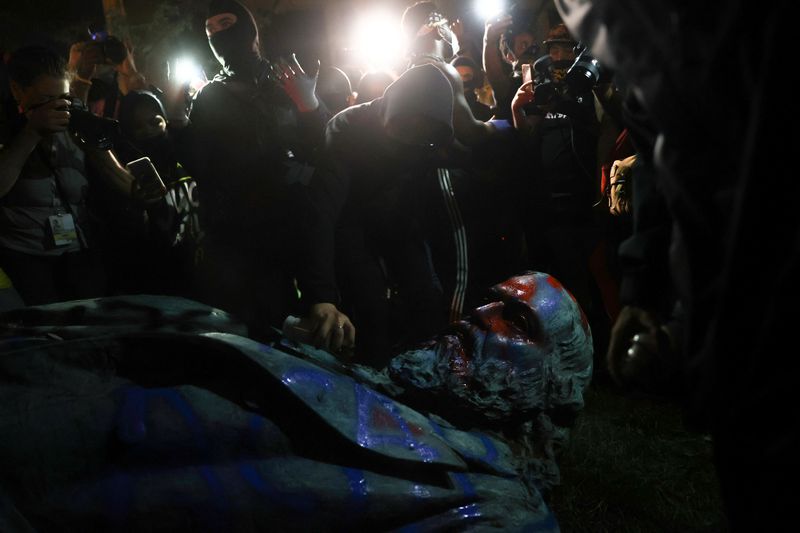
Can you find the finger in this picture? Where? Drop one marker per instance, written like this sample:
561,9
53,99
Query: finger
62,117
277,74
296,65
323,334
644,343
286,70
349,335
337,338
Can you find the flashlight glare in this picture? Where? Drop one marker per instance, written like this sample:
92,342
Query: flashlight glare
377,39
186,70
487,9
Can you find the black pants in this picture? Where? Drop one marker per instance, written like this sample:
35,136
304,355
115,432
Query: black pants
390,290
252,284
47,279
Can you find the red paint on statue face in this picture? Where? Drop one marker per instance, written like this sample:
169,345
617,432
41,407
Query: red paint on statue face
521,288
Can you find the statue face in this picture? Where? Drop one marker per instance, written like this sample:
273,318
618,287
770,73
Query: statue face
528,350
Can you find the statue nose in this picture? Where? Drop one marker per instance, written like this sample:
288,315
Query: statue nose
487,315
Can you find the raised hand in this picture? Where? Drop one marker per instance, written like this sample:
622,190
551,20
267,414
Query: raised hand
298,85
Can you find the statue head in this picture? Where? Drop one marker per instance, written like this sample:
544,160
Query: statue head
528,350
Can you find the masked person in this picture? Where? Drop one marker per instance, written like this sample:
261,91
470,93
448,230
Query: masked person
472,76
252,137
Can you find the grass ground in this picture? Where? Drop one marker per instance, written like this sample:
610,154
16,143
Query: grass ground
631,466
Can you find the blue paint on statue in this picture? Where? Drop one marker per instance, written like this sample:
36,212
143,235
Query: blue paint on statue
375,408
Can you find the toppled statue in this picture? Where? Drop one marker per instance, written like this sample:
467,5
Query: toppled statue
154,413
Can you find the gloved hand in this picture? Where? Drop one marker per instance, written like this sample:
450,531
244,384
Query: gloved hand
298,85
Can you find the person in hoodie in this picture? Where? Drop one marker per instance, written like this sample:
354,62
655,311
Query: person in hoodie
151,249
253,133
381,152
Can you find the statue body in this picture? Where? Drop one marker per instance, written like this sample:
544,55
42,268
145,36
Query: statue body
149,413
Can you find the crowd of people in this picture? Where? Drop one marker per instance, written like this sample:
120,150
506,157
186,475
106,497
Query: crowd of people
383,210
374,210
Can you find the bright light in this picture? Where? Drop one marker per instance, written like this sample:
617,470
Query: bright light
377,40
185,70
487,9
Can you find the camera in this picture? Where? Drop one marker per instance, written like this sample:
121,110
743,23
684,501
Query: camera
97,132
566,78
549,80
584,73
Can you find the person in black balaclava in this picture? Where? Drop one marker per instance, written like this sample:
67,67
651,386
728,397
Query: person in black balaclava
472,76
233,37
384,153
252,139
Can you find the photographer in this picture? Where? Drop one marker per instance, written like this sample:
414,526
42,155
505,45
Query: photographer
46,244
560,126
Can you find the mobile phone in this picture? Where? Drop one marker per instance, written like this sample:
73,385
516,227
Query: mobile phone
526,73
146,175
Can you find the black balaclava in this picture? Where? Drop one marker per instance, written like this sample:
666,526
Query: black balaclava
158,148
477,80
236,48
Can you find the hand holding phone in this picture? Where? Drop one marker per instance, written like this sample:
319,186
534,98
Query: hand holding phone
526,73
149,184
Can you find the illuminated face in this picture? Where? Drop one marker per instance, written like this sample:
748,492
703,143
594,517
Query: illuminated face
220,22
529,350
42,90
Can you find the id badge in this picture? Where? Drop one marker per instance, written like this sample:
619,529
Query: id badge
63,229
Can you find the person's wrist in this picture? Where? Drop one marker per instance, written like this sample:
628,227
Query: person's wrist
306,105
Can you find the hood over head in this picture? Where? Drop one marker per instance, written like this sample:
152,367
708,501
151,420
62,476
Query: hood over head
236,47
421,93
